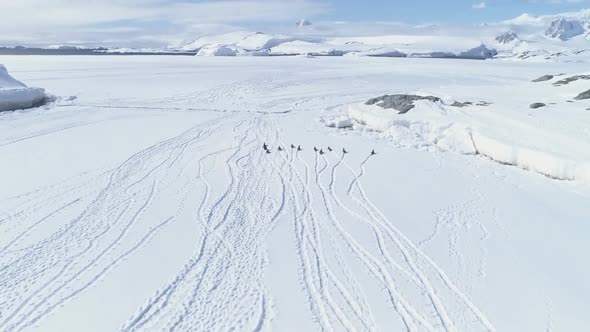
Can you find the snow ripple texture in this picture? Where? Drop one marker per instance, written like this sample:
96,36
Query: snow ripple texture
221,287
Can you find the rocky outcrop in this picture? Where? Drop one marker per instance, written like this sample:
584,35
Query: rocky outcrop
584,95
401,103
570,79
537,105
543,78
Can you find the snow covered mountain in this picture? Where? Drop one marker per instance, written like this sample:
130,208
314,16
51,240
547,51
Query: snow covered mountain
561,37
524,38
258,43
565,29
231,38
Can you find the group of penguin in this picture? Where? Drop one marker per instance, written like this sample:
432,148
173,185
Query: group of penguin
321,151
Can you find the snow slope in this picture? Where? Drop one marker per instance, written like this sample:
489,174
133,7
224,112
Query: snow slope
16,95
552,140
156,207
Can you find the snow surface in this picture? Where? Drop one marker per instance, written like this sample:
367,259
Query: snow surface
15,95
147,202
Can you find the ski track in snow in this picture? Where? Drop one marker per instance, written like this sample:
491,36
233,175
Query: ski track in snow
94,222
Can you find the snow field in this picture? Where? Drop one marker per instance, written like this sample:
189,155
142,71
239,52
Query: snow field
156,207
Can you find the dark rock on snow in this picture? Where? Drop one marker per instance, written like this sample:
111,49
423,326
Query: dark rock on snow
401,103
568,80
484,103
543,78
460,104
537,105
584,95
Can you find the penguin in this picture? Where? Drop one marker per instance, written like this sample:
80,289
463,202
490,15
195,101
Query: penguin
321,151
344,151
330,149
280,148
373,153
299,148
315,149
264,146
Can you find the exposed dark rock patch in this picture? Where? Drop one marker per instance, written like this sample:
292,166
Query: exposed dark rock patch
537,105
570,79
404,103
483,103
460,104
469,103
401,103
543,78
584,95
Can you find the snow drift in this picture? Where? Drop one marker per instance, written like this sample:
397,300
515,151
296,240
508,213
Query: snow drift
554,148
15,95
219,50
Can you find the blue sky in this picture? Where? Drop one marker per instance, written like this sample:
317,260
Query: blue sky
445,11
139,22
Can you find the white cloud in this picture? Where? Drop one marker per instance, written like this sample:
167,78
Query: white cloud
89,19
481,5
